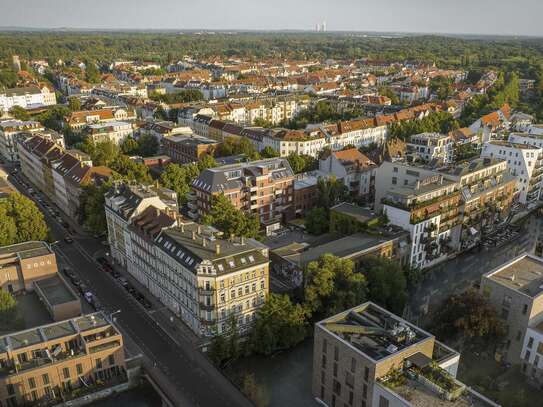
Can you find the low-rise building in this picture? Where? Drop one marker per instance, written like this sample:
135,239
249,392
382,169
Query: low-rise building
58,298
45,363
27,98
163,129
525,162
184,149
25,263
431,146
114,131
264,188
358,353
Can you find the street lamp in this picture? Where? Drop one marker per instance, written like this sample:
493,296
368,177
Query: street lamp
113,313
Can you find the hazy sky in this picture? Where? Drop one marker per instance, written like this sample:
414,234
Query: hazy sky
522,17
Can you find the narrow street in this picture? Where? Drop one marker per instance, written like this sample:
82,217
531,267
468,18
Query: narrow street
190,376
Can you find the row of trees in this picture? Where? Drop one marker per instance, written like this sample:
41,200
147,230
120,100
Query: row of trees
182,96
322,111
435,122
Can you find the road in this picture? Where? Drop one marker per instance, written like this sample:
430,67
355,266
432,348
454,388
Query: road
462,272
190,376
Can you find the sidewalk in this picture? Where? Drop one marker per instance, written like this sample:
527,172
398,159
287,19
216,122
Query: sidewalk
170,323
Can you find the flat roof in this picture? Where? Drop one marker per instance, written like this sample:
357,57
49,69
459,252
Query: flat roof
523,274
55,290
26,250
374,331
360,214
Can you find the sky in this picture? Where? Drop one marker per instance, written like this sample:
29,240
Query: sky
520,17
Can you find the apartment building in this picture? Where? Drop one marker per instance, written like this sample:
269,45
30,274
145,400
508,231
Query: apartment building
42,364
431,147
164,129
355,170
10,131
58,173
487,192
533,138
359,353
429,211
124,202
25,263
514,289
355,133
202,278
264,188
27,98
185,149
80,119
114,131
525,162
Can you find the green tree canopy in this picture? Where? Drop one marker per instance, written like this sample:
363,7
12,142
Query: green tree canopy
268,152
302,163
10,318
183,96
317,221
279,325
92,209
230,220
19,113
21,220
332,285
179,178
331,191
232,146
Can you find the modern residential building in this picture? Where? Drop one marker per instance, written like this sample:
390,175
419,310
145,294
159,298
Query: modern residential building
359,353
10,132
27,98
431,147
514,289
264,188
25,263
162,129
45,363
59,299
524,161
124,202
429,211
487,192
355,170
80,119
202,278
114,131
184,149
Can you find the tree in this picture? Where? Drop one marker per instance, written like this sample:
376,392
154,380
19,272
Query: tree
182,96
102,153
436,122
206,161
147,145
331,191
20,212
179,179
331,286
269,152
317,221
19,113
259,122
92,201
230,220
232,146
131,170
279,325
74,103
302,163
469,316
92,74
442,86
130,146
387,285
10,318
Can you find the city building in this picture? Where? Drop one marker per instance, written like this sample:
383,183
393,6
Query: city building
58,298
163,129
524,161
47,362
184,149
514,290
431,147
114,131
10,131
264,188
80,119
27,98
24,264
204,279
124,202
360,353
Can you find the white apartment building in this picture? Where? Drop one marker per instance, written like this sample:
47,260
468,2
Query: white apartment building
432,146
27,98
524,161
115,131
10,131
532,139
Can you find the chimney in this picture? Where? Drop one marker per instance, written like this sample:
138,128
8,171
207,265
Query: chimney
182,228
203,242
243,240
193,235
217,249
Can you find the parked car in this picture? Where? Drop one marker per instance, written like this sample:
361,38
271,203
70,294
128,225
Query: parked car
76,282
70,274
101,260
115,274
123,281
88,297
146,304
96,304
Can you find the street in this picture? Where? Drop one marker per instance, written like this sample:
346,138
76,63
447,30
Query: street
462,272
190,377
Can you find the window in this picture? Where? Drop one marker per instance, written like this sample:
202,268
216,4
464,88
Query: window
66,373
98,363
394,180
530,343
349,379
395,169
507,301
519,334
111,360
524,309
323,377
45,378
79,369
383,402
31,383
527,356
337,388
335,369
322,392
505,313
353,365
336,353
366,373
323,361
351,397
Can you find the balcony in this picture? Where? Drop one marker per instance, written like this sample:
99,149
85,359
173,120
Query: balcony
206,290
208,322
206,307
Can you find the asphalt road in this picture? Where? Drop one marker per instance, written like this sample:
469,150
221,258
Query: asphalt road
462,272
191,378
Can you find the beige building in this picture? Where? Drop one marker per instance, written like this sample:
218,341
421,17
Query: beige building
369,357
515,289
45,363
25,263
